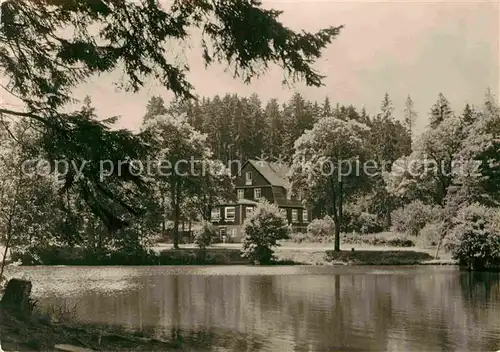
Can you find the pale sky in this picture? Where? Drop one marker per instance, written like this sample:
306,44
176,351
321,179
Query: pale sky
400,47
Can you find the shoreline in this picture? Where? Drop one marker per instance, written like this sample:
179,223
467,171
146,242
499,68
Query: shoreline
285,256
37,332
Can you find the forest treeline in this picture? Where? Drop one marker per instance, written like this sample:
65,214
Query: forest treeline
242,128
42,213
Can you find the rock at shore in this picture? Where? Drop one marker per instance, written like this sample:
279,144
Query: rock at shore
16,297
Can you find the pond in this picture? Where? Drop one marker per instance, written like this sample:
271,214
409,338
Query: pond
308,308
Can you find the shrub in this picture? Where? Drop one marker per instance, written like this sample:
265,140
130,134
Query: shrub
377,240
72,255
299,237
263,229
431,233
377,257
399,241
475,237
367,223
204,236
319,228
212,256
413,217
355,220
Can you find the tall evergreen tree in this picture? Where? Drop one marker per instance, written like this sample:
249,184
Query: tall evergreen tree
256,121
388,141
386,108
316,111
326,108
468,115
275,128
155,107
490,102
410,115
364,116
298,118
440,111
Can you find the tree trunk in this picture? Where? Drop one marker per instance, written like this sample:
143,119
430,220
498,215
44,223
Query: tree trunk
437,249
4,258
388,220
335,217
9,235
337,238
163,219
441,238
177,208
7,244
163,228
176,226
341,204
175,204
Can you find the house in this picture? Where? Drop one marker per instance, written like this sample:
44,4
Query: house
254,181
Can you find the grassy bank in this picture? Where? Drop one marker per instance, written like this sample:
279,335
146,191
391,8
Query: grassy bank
363,256
377,257
183,256
38,333
289,253
390,239
194,256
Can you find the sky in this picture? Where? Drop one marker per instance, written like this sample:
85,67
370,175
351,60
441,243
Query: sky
399,47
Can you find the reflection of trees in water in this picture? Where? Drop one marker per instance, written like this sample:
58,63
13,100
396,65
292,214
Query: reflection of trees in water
200,339
480,286
418,308
421,310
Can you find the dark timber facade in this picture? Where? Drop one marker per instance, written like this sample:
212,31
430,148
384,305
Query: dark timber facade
257,180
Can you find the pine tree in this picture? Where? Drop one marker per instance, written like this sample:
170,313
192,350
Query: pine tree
410,115
386,109
326,108
224,122
440,111
388,141
256,121
468,115
316,111
298,118
155,107
364,116
490,103
274,128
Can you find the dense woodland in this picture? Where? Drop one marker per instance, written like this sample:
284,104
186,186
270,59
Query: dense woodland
40,213
122,213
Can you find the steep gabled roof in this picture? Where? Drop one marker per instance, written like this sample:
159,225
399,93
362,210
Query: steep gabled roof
274,173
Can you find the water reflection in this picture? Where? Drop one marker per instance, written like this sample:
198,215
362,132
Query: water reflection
302,309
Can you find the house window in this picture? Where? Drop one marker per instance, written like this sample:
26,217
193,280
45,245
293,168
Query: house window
305,216
283,212
257,193
248,212
241,193
232,233
248,178
295,215
222,232
230,213
215,215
